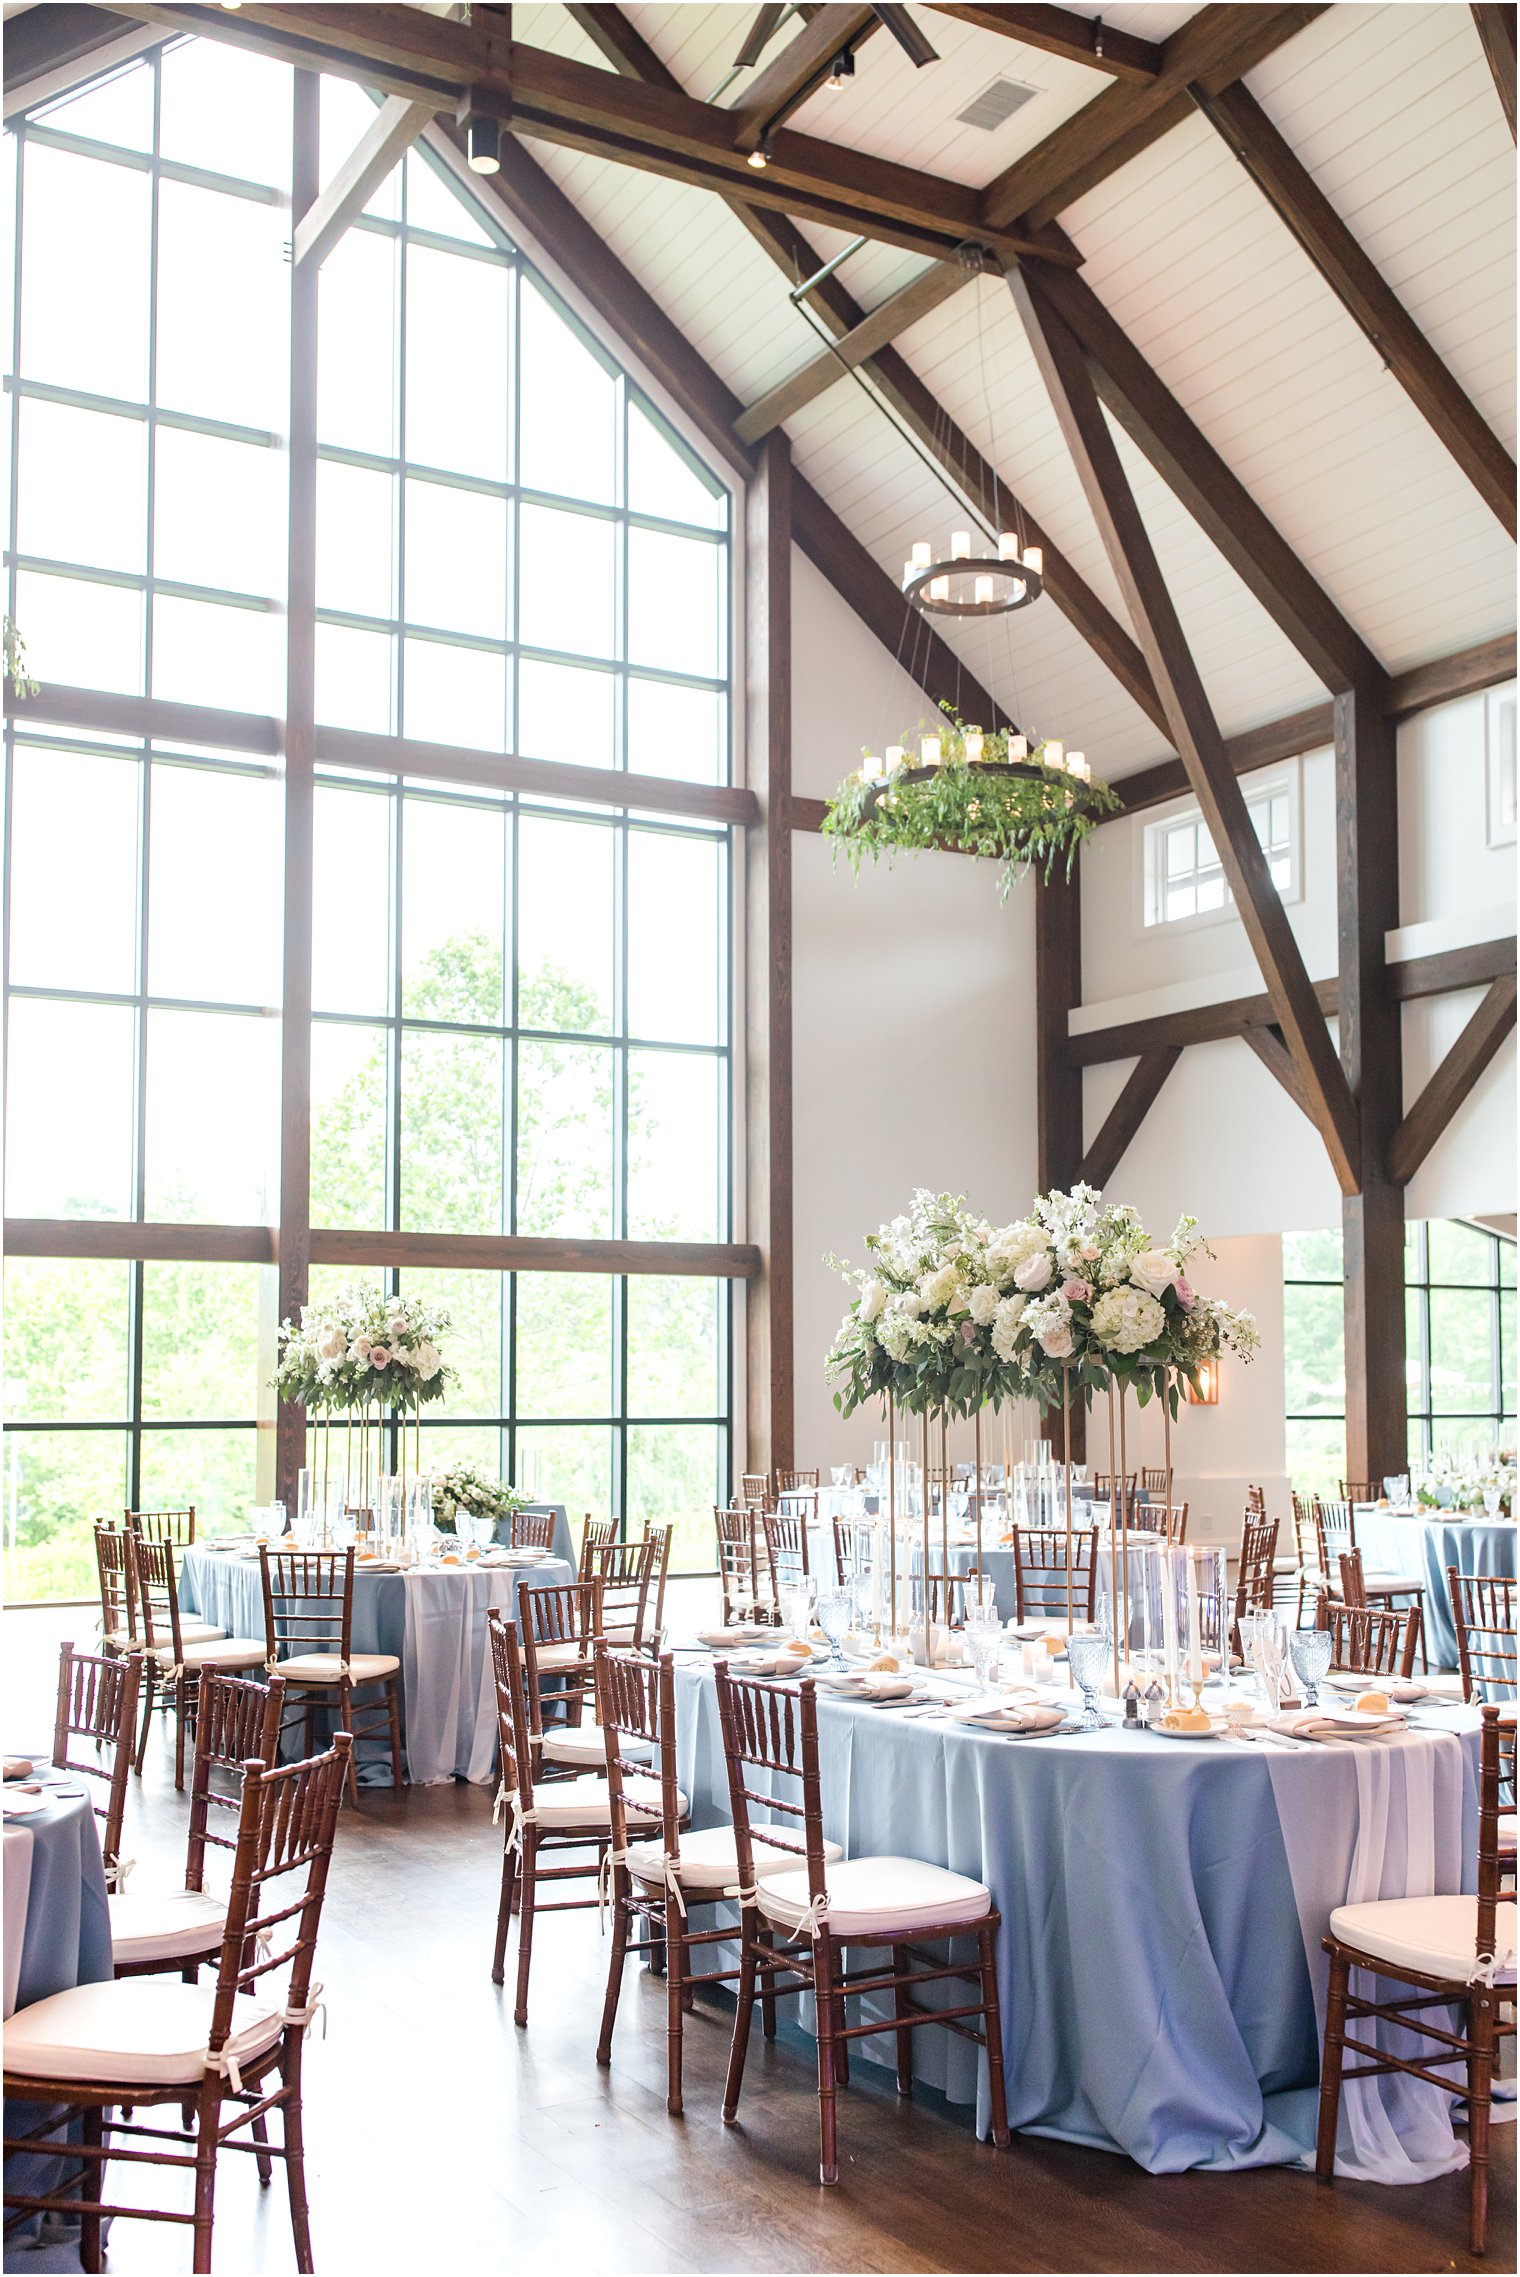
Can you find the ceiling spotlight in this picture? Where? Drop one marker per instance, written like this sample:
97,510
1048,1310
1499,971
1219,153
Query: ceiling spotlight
484,146
844,68
760,158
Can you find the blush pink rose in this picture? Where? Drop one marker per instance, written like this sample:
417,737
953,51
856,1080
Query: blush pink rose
1076,1292
379,1357
1185,1295
968,1331
1090,1251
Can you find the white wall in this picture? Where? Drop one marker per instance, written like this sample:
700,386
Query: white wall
913,1012
1218,1451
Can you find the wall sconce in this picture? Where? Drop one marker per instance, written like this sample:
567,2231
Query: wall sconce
1207,1393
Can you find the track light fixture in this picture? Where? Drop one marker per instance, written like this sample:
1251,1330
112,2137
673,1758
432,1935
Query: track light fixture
483,146
843,70
760,156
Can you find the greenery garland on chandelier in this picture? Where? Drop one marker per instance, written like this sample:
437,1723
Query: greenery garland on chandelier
987,794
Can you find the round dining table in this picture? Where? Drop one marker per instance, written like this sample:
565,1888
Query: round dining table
431,1617
1423,1544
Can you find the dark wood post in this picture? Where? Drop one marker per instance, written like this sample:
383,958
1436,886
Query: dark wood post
294,1253
768,949
1372,1219
1058,1079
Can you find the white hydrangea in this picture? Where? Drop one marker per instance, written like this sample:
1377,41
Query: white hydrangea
939,1290
1011,1245
1005,1325
1126,1319
1048,1321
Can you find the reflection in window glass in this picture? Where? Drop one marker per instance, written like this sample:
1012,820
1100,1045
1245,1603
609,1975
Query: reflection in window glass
74,816
200,1342
213,927
70,1078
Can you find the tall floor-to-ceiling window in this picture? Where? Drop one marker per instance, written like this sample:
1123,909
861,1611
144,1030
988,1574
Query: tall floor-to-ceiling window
520,990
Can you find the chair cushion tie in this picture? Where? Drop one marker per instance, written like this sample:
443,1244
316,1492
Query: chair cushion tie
609,1859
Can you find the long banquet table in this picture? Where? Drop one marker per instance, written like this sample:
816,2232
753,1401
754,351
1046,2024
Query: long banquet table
1162,1904
1424,1545
433,1618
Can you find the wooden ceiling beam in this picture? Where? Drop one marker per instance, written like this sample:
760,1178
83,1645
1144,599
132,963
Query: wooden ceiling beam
384,142
929,290
1300,204
1453,1080
1267,1043
1121,1125
1192,723
1496,29
53,49
1215,497
787,81
405,51
1214,47
1059,31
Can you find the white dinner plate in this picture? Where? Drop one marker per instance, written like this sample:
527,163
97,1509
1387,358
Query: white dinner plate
24,1806
1215,1731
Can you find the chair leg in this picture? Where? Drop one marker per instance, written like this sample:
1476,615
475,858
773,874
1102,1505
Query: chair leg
261,2159
504,1913
1330,2066
150,1678
1480,2073
180,1705
992,2019
675,2001
393,1719
768,1992
904,2031
841,2044
91,2188
208,2113
525,1926
346,1713
615,1964
826,2004
295,2156
743,2014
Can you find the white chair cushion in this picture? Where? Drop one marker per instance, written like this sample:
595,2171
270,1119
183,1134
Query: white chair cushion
216,1652
1507,1833
560,1655
584,1746
1436,1935
192,1632
871,1896
1389,1584
327,1667
709,1861
586,1802
141,2030
158,1925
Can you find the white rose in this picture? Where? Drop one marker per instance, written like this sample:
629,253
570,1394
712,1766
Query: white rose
873,1298
983,1303
910,1304
359,1350
1153,1270
332,1343
1056,1340
1034,1273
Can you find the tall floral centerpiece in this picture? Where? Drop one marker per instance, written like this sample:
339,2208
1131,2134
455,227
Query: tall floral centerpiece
359,1356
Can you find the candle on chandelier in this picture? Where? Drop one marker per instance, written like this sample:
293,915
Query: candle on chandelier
939,588
929,750
960,545
872,770
894,755
1034,559
1076,764
922,556
1018,747
986,589
1008,545
1054,755
972,739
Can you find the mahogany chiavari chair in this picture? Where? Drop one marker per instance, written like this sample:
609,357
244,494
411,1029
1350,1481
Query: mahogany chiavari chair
1366,1640
1361,1490
1254,1570
154,1932
596,1533
626,1573
662,1535
786,1547
1335,1536
1256,1499
756,1491
796,1926
309,1634
174,1657
117,1576
97,1703
557,1626
947,1599
1156,1482
797,1482
543,1820
135,2043
1455,1955
1039,1573
176,1526
744,1571
848,1535
531,1530
1483,1611
1308,1581
1170,1520
1103,1484
658,1880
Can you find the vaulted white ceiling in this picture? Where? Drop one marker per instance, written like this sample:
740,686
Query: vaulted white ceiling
1393,111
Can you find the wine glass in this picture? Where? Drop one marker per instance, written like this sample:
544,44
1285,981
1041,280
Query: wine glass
798,1597
1269,1652
836,1609
1309,1651
1087,1656
984,1638
1397,1489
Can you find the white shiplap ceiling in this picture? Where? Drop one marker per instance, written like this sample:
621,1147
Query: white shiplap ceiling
1393,111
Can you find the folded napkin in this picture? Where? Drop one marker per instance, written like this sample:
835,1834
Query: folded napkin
1008,1715
377,1565
769,1664
18,1767
1333,1723
868,1684
723,1640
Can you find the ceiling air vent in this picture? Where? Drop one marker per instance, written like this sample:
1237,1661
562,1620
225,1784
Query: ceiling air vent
996,104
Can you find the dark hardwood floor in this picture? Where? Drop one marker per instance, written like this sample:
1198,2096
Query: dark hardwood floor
442,2139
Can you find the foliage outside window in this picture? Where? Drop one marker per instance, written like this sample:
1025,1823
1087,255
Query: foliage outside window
1460,1326
520,1006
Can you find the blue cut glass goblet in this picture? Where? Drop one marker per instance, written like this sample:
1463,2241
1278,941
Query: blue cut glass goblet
1309,1651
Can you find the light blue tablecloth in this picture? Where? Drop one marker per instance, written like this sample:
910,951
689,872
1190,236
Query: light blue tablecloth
1425,1547
562,1545
1162,1903
432,1619
67,1942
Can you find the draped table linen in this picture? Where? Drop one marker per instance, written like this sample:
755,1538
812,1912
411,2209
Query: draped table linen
432,1618
1161,1906
1422,1546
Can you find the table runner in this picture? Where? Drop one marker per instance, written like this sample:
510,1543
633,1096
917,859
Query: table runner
1423,1547
433,1619
1156,1896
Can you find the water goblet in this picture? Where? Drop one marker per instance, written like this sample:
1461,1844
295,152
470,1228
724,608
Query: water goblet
835,1610
797,1606
1309,1651
984,1638
1087,1656
1269,1652
1397,1488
